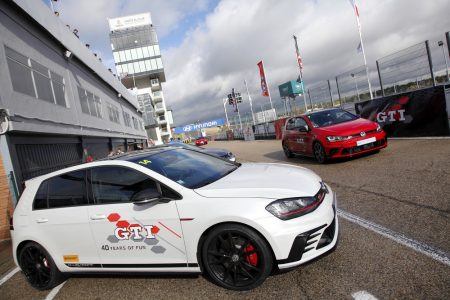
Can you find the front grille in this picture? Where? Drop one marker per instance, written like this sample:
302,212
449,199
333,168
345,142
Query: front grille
369,146
366,132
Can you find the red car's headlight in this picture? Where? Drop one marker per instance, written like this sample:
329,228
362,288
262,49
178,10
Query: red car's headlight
332,138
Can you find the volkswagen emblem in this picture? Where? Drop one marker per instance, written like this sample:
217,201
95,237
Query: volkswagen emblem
362,133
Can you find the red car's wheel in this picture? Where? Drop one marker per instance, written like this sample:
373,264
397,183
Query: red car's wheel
319,153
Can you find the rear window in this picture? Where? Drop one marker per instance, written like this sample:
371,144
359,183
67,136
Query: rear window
65,190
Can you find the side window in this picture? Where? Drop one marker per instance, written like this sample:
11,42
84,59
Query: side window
40,200
290,124
299,122
169,193
119,184
67,190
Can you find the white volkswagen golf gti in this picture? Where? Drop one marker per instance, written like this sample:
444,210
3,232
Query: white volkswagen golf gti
173,210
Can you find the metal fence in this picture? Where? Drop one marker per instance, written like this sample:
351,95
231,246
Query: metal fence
405,70
352,86
320,96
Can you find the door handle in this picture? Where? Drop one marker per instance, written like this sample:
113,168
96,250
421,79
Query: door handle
41,220
98,217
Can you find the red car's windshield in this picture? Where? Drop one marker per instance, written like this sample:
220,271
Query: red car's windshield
330,117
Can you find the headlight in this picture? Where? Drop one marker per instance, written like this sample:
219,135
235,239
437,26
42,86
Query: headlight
338,138
379,128
286,209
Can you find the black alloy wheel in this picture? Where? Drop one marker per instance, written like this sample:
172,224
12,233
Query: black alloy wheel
319,153
38,267
236,257
287,152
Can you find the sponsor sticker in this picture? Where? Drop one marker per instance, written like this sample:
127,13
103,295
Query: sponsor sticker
72,258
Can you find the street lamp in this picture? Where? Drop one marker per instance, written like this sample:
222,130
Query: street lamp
441,44
356,84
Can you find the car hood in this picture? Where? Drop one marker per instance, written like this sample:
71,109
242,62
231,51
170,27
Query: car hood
273,181
349,128
216,151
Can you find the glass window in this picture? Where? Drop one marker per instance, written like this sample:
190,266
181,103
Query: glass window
145,52
10,53
159,63
154,65
119,69
330,117
98,105
116,57
119,184
83,100
139,53
67,190
40,200
130,68
191,169
43,87
157,52
133,54
21,79
128,55
148,66
90,99
122,56
142,65
60,93
299,122
137,69
151,51
124,68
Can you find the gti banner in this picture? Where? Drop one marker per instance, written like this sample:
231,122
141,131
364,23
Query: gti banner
414,114
265,91
198,126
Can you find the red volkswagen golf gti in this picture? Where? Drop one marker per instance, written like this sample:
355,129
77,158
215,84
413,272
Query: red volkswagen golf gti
331,133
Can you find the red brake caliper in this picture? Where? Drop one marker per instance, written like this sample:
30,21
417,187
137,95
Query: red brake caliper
252,258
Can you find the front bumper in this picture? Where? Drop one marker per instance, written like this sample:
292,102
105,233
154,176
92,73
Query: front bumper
351,147
313,243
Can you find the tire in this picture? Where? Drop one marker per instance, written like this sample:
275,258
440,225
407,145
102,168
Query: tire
287,152
38,267
236,257
319,153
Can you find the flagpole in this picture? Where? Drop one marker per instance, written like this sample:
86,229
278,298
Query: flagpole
250,100
355,7
301,72
268,88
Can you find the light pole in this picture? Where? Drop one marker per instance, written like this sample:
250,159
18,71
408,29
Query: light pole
441,44
356,84
225,109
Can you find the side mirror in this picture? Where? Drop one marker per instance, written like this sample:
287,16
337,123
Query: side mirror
303,128
146,196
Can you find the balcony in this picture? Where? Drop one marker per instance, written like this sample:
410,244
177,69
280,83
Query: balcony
154,83
159,109
161,121
158,97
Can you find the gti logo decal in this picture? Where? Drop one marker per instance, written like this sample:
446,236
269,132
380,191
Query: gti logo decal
391,116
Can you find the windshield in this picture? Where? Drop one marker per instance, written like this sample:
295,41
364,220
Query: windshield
191,169
330,117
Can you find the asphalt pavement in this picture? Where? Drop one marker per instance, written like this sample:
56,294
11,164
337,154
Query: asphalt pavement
402,192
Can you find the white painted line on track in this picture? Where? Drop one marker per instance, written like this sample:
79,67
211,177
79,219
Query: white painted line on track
418,246
9,275
55,291
363,295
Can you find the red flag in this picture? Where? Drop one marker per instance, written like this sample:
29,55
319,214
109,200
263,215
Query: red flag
299,58
265,91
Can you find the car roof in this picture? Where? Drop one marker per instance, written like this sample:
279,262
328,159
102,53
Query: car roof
321,111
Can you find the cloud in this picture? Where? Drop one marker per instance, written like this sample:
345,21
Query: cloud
222,50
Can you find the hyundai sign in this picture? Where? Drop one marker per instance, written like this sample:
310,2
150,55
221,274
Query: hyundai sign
192,127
